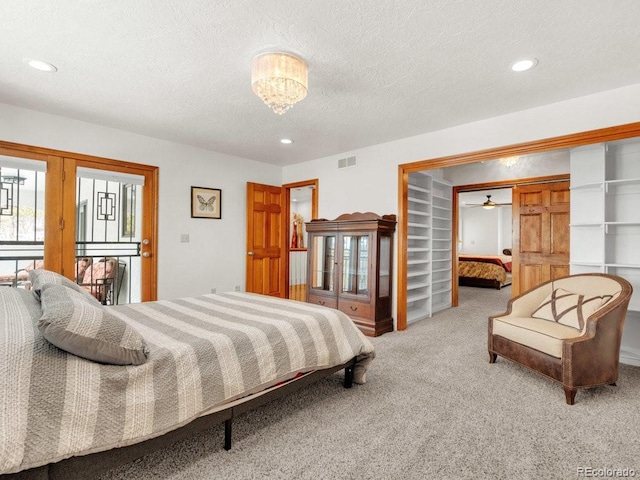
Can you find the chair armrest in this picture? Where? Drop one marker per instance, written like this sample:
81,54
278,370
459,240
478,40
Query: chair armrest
595,355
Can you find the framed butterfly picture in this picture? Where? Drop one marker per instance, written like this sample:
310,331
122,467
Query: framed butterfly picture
206,202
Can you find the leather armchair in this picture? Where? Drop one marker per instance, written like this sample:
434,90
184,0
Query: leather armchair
583,352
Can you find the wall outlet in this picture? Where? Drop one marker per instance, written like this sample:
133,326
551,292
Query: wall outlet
213,290
237,288
184,238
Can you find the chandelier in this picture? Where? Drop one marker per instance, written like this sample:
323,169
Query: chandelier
279,79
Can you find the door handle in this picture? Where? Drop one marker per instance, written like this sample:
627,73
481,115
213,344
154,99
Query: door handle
250,254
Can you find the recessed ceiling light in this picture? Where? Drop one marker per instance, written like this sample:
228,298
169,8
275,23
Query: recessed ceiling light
41,65
286,141
523,65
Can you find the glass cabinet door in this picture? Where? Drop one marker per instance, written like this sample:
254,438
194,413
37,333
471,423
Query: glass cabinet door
355,264
385,266
323,262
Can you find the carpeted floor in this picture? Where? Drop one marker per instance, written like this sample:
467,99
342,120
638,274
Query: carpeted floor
433,407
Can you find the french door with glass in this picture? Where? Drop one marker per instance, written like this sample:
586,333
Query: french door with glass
93,220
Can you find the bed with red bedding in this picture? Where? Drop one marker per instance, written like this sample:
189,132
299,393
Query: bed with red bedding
493,271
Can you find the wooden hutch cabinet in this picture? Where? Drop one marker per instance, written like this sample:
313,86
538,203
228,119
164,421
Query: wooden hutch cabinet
350,268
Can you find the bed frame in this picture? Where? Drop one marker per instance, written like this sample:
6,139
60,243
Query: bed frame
482,282
479,282
95,464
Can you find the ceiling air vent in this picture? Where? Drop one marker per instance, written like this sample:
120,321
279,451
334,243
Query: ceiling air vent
347,162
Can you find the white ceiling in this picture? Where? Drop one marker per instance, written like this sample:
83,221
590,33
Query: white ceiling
379,70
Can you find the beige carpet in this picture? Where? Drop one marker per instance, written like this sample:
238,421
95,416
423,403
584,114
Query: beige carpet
433,407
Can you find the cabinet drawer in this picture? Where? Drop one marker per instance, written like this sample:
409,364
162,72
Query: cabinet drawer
330,302
355,309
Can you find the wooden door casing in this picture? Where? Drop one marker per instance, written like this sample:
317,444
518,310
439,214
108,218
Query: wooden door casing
265,226
540,234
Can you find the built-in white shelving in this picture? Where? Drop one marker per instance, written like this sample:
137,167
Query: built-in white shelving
605,221
428,246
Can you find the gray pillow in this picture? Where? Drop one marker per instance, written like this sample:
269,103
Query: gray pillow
85,328
41,277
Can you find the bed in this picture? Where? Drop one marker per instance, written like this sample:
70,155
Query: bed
492,271
203,360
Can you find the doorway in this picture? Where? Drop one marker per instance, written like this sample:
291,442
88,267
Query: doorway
302,208
545,145
276,258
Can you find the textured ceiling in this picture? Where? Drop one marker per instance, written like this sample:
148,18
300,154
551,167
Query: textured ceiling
379,70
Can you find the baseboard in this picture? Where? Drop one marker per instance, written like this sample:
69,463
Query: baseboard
630,356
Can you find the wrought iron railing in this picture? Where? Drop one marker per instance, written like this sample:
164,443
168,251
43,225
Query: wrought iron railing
109,270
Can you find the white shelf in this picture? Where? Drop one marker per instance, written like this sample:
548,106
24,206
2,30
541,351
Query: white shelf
419,261
440,290
431,230
415,315
588,186
416,188
623,223
605,211
436,270
417,297
624,181
418,212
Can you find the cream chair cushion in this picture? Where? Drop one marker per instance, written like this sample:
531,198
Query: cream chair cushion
535,333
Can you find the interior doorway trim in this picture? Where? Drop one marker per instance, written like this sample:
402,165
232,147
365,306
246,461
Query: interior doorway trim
455,220
554,143
314,184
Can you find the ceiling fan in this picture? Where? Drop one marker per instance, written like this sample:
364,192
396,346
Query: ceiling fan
489,204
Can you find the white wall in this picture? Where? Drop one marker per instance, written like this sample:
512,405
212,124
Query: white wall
215,255
505,229
480,231
484,232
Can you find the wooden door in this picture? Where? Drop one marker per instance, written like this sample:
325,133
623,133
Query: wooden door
540,234
265,253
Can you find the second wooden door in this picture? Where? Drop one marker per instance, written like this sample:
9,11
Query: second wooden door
540,234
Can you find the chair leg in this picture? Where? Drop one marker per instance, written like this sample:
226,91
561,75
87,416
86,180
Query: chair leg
492,357
570,395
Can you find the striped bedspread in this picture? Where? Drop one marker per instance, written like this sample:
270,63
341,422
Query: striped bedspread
204,351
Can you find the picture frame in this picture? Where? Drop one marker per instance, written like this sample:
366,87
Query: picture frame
206,202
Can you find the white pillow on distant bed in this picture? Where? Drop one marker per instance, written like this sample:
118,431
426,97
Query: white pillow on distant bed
568,308
85,328
41,277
